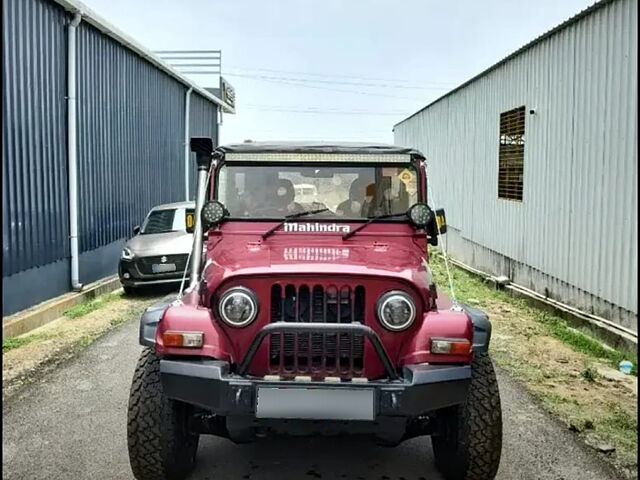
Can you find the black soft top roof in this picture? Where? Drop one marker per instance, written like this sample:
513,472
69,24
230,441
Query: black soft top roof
317,147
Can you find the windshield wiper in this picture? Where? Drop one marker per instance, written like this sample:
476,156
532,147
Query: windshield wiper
291,217
371,220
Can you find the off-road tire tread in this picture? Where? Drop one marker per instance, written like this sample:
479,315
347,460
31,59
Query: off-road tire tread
476,455
159,447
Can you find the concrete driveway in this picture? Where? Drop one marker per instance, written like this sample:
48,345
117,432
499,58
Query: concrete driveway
72,425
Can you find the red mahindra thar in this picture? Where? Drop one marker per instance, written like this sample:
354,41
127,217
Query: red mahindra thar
311,310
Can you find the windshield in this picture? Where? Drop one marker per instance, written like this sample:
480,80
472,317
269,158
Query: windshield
163,221
350,192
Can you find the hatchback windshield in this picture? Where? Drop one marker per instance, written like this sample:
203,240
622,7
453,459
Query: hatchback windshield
163,221
350,192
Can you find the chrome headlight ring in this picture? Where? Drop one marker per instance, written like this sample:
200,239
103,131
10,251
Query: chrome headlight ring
238,307
396,310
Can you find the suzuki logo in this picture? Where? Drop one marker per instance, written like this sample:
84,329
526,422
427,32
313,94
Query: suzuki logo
163,259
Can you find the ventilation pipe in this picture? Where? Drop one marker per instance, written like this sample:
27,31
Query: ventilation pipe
187,152
203,148
72,151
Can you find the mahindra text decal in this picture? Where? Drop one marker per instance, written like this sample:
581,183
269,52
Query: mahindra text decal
316,227
318,254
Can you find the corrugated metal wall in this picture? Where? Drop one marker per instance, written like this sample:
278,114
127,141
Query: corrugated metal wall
577,222
130,149
130,139
34,154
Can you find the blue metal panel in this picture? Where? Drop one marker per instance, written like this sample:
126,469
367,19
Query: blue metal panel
34,175
203,122
130,139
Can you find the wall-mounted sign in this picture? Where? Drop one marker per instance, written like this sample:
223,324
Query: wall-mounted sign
227,93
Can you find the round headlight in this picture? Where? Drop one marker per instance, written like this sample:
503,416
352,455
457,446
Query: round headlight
420,215
238,306
212,213
127,254
396,310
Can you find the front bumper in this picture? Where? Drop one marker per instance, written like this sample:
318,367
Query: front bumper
138,279
393,408
209,384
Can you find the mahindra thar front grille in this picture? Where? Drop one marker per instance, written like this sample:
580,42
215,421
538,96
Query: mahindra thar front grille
317,354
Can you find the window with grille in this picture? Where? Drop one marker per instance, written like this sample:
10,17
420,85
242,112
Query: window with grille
511,154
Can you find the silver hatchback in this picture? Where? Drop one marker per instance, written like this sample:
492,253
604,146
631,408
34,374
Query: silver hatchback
158,253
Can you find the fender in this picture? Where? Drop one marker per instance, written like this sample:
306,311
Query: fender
150,319
481,328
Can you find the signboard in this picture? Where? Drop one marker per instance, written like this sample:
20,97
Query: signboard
227,93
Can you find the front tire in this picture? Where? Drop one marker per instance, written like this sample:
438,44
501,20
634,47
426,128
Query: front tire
160,444
129,290
470,443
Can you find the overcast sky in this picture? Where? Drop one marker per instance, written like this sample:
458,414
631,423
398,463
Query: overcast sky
336,69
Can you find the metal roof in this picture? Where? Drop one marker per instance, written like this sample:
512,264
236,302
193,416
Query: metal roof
535,41
167,206
91,17
318,147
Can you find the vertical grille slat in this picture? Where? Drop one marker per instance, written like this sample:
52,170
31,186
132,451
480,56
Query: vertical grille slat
317,354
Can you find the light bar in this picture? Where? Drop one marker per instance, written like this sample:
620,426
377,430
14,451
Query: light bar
319,157
450,346
182,339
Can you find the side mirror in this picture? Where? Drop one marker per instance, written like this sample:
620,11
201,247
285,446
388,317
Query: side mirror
441,220
136,230
437,222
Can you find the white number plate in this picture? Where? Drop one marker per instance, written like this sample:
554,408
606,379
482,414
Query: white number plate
315,403
163,267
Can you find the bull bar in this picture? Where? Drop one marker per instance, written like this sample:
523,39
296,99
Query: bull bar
214,386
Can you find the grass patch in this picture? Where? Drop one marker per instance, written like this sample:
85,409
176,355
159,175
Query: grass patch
621,424
76,311
589,374
17,342
471,289
14,342
85,308
114,322
583,343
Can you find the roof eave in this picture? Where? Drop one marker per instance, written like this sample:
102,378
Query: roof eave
91,17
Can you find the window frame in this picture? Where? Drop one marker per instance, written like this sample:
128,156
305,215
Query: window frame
511,137
213,192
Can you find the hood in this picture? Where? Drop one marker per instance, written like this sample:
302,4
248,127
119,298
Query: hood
378,252
170,243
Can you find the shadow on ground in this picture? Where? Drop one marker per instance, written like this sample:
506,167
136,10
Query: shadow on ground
328,458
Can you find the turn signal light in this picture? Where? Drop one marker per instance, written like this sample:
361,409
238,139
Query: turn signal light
182,339
451,346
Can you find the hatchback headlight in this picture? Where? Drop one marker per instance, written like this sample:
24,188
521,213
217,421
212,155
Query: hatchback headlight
238,306
396,310
127,254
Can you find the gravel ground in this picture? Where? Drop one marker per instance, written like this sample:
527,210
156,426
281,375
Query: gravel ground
72,424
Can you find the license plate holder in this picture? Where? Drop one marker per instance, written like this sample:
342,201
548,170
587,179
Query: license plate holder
313,403
163,267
